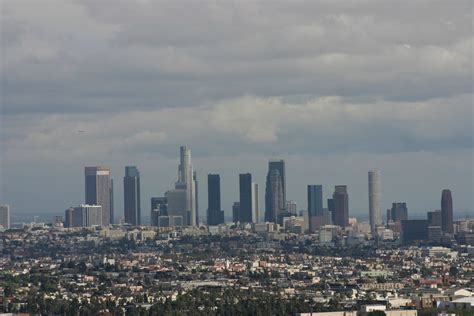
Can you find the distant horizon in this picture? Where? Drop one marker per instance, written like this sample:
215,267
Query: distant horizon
46,217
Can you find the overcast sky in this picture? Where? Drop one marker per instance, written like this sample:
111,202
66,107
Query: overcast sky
335,88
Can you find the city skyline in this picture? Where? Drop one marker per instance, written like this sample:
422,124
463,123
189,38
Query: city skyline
145,217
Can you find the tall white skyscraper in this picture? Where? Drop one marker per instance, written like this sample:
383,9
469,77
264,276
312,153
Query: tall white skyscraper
187,181
375,213
5,216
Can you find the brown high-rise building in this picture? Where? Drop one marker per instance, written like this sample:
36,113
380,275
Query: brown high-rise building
447,212
340,199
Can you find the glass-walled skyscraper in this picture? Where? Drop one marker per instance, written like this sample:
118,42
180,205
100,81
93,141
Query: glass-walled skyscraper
131,196
215,215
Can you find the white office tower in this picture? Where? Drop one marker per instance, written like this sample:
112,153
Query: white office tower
186,181
255,203
375,213
4,217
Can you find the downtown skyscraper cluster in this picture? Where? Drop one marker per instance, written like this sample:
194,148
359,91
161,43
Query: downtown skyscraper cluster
178,207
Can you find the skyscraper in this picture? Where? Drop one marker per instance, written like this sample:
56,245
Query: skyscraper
375,213
315,204
215,215
280,166
236,212
5,216
86,216
99,191
435,218
245,186
340,213
274,196
196,196
414,231
447,212
255,203
131,196
176,206
186,181
159,207
398,212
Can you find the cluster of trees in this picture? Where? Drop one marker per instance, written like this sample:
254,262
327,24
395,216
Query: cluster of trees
196,302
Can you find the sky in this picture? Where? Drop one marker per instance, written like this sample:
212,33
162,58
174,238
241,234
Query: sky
335,88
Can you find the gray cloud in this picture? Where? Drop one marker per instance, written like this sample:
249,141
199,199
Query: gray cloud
314,82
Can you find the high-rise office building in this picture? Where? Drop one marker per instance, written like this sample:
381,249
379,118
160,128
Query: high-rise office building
236,212
196,196
274,197
131,196
414,231
84,216
275,191
447,212
159,207
255,204
186,181
435,218
340,213
398,212
245,186
280,166
99,191
215,215
68,217
375,213
5,216
177,204
315,204
292,207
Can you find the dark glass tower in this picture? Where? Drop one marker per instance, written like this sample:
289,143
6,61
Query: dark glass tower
159,207
275,191
274,203
280,166
131,196
315,203
340,213
215,215
99,191
245,185
447,212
